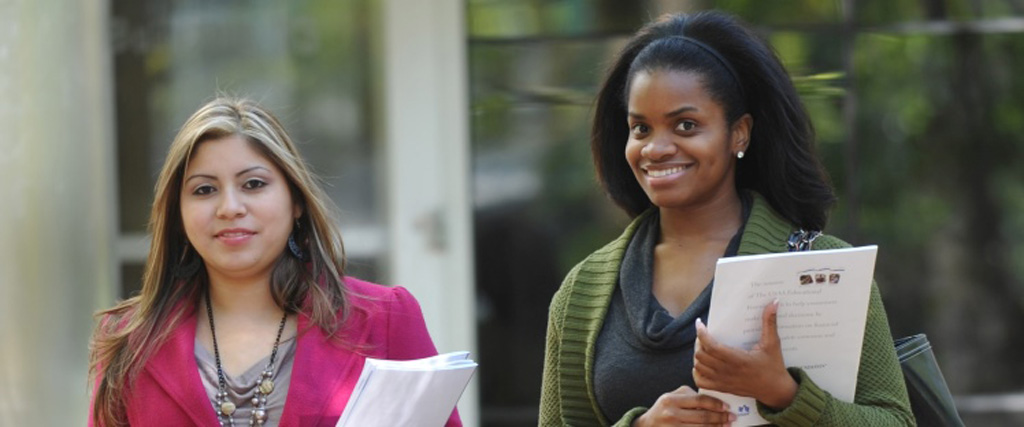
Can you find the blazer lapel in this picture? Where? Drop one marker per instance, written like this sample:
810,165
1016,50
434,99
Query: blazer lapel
174,368
321,372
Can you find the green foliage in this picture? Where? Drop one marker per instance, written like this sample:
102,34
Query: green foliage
781,12
503,19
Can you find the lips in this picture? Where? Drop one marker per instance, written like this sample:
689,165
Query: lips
234,236
655,171
658,173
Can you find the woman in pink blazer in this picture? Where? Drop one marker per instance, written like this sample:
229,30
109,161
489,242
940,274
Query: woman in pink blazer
245,316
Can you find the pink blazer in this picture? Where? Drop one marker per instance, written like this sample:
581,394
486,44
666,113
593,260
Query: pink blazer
384,323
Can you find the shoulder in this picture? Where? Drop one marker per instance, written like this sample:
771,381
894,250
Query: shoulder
766,231
390,320
609,256
828,241
362,288
595,266
561,297
374,298
598,272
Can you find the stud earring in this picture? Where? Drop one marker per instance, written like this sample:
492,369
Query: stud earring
739,155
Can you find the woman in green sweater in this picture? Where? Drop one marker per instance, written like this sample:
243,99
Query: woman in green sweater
699,135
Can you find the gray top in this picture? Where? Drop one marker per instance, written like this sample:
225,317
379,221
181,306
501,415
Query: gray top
642,351
241,388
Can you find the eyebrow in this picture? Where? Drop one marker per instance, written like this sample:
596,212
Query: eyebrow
672,113
243,172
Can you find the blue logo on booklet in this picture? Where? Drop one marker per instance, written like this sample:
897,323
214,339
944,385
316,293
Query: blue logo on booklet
743,410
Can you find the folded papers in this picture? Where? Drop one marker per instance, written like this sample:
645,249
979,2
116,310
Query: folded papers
408,393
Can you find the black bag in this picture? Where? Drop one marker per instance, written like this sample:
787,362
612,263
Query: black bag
930,399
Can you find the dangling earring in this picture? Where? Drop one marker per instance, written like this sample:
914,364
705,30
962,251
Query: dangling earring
739,155
293,246
188,265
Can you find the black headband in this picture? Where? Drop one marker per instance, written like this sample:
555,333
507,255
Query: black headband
718,56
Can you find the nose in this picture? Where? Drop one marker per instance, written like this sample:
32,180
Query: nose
659,148
231,205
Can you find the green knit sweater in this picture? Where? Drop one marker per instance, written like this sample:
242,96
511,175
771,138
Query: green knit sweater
577,313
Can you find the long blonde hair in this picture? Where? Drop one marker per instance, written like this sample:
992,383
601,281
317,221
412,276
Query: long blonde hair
130,332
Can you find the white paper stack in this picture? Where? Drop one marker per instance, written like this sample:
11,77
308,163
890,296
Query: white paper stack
823,302
412,393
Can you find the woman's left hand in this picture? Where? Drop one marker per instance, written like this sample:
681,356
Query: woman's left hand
759,372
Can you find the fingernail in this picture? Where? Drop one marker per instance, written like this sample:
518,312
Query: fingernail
732,417
699,323
776,302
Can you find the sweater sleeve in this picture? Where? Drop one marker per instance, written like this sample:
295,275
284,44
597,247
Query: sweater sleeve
550,396
630,416
550,399
881,396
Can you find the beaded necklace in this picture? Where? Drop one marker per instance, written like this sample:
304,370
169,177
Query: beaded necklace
264,384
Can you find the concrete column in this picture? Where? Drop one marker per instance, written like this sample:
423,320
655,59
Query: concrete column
57,204
426,133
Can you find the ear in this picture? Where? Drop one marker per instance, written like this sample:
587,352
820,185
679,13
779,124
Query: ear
297,211
741,129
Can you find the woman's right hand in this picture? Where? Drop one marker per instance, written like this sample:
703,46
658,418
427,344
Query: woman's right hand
683,406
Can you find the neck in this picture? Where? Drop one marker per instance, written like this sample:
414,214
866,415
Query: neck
242,298
716,220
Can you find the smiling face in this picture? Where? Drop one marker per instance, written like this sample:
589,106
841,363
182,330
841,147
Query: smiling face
681,148
236,208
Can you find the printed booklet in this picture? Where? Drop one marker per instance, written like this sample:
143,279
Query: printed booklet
823,303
